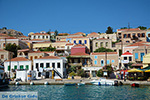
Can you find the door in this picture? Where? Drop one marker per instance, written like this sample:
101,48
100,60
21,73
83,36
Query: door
93,73
142,54
102,62
47,74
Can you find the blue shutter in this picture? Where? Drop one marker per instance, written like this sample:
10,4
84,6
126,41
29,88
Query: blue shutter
136,55
95,62
74,41
112,61
95,57
85,42
80,42
142,54
107,61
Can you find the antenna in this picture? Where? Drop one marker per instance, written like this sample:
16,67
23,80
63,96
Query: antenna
128,25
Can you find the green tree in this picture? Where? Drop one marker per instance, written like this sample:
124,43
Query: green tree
55,34
99,32
109,30
81,73
102,49
48,49
12,48
99,73
108,68
124,28
142,27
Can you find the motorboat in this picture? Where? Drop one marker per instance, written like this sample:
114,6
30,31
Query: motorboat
3,78
81,84
135,85
103,82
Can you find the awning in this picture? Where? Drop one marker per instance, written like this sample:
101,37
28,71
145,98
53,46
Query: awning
147,71
135,70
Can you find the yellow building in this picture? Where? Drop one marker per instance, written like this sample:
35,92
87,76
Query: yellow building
146,60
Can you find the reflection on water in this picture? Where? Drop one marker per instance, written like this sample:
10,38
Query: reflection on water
87,92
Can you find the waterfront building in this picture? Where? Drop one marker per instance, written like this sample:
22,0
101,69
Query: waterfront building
5,55
18,63
93,35
42,35
146,60
126,58
45,66
101,42
12,40
131,35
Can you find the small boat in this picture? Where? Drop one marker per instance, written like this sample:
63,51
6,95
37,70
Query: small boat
134,85
103,82
70,84
81,84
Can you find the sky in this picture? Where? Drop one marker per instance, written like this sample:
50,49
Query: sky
71,16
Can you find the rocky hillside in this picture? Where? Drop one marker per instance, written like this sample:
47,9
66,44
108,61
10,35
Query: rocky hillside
10,32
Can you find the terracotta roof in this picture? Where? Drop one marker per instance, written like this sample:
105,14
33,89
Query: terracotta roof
79,54
8,38
69,44
127,53
2,50
78,45
42,42
23,50
93,33
41,52
102,53
49,57
140,65
59,41
102,39
131,29
78,33
142,43
40,34
19,59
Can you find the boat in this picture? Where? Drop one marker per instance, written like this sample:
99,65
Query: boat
70,84
81,84
103,82
4,81
134,85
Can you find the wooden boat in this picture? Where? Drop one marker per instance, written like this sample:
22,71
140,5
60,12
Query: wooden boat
70,84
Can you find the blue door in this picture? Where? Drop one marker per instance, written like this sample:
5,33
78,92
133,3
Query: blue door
102,62
142,54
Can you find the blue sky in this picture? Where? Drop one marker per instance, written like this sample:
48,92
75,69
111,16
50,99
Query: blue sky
73,15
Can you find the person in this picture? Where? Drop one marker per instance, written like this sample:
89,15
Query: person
125,77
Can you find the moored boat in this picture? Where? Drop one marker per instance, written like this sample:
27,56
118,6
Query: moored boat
70,84
81,84
3,78
103,82
135,85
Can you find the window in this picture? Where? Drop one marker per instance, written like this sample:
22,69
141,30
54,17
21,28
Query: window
2,56
21,66
58,65
43,37
37,65
119,33
15,67
27,67
106,44
85,41
128,41
41,65
133,35
112,61
8,68
139,35
125,58
47,37
136,55
130,58
53,65
35,57
101,44
143,34
74,41
38,36
107,37
149,35
95,57
34,37
95,62
129,36
80,42
96,44
125,35
107,61
31,58
47,65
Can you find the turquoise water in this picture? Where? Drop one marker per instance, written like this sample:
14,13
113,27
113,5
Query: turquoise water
87,92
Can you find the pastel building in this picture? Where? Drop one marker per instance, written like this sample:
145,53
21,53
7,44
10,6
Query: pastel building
45,65
41,35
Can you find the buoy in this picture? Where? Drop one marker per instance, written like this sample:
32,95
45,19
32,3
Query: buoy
17,83
31,83
46,83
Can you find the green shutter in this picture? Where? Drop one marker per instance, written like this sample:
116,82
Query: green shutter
8,68
21,66
27,67
15,67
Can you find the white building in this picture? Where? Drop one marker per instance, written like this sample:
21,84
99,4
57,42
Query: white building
44,66
41,35
18,63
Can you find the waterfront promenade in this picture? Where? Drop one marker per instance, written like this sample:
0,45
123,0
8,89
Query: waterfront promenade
85,80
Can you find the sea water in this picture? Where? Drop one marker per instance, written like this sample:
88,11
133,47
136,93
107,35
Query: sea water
87,92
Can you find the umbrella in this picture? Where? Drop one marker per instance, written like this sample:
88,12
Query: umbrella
134,70
147,71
